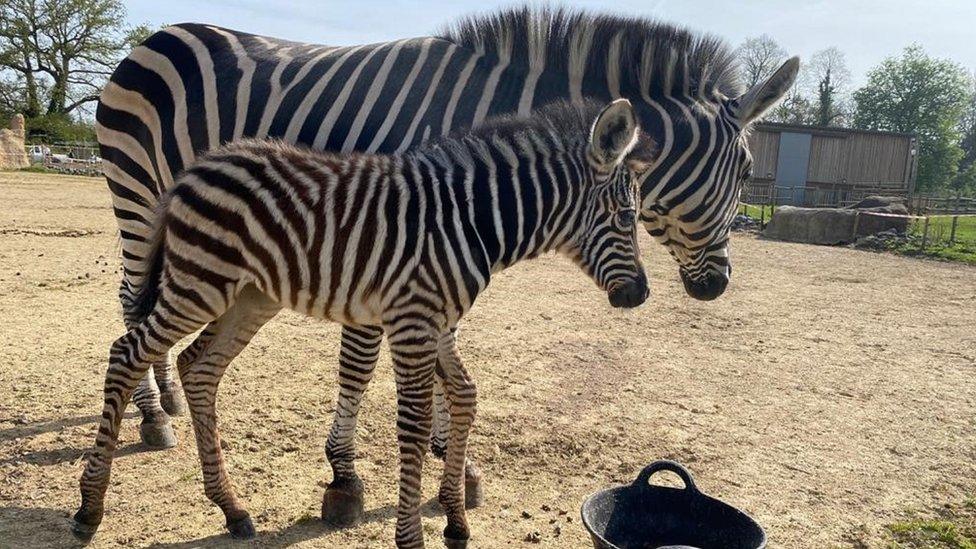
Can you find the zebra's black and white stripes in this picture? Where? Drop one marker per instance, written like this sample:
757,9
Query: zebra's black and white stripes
191,87
406,242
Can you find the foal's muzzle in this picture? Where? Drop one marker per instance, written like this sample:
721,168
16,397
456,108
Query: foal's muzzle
708,287
631,293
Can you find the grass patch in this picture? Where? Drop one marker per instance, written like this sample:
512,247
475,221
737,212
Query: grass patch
929,534
937,246
756,212
953,528
940,228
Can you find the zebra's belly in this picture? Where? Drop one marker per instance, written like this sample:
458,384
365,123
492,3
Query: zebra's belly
338,307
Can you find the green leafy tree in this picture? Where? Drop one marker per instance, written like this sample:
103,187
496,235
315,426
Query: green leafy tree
964,183
967,127
919,94
55,56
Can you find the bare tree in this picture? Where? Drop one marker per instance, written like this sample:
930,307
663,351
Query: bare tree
829,74
759,57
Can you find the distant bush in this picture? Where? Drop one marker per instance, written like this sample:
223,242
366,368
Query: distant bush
58,128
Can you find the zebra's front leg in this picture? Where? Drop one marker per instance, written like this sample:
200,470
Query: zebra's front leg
413,347
342,503
461,397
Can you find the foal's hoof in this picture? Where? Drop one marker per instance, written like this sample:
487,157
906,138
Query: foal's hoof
158,436
83,532
83,527
172,402
455,543
241,528
342,504
474,495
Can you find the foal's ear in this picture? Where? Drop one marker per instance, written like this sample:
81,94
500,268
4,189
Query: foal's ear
614,134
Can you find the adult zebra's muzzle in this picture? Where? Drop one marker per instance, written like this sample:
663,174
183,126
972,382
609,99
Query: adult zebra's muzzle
706,288
629,293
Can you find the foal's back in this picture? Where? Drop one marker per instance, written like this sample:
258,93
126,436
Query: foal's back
307,228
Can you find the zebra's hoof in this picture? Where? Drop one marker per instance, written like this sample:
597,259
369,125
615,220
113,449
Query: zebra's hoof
455,543
474,495
342,504
172,402
85,525
158,436
83,532
241,528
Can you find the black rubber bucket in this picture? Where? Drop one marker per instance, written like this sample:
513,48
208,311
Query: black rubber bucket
645,516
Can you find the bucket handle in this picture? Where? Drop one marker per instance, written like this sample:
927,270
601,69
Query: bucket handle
666,465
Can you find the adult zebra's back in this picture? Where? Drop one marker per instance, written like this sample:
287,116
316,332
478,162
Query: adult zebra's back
191,87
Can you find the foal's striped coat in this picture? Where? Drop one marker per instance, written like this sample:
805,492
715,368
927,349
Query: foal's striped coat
406,242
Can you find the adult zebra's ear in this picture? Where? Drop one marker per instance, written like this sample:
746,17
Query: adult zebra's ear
614,134
764,95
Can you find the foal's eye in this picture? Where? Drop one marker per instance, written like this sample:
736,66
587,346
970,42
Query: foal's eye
626,218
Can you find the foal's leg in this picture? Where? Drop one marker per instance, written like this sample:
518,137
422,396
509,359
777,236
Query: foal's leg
462,398
201,367
342,503
129,360
446,355
414,349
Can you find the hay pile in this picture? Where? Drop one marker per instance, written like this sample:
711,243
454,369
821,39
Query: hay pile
13,156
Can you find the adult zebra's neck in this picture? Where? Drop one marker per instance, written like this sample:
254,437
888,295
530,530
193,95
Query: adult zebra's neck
502,198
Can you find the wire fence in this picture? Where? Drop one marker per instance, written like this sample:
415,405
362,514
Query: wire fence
79,158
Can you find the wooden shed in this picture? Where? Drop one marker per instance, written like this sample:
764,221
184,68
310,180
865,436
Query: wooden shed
829,167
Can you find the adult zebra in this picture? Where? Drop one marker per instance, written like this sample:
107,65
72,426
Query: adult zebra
191,87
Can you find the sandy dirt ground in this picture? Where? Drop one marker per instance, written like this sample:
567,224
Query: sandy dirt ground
828,393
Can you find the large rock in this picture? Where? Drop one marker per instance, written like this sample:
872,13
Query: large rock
811,225
832,226
13,154
880,202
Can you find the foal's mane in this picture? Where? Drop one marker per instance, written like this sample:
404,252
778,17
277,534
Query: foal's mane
661,58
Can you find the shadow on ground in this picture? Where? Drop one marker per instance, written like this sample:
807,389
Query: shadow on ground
302,530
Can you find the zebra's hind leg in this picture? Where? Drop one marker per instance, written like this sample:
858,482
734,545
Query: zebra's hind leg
342,503
474,496
201,366
413,346
156,430
169,392
461,396
129,361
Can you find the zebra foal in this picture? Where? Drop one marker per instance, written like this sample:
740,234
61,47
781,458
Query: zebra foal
406,242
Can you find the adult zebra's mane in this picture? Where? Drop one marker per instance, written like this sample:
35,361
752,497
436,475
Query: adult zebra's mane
658,57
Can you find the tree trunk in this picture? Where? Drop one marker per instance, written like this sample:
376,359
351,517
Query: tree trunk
59,91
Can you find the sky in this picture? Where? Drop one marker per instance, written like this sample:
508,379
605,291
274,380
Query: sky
867,31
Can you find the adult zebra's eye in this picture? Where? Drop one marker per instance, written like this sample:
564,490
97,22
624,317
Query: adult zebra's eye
626,218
